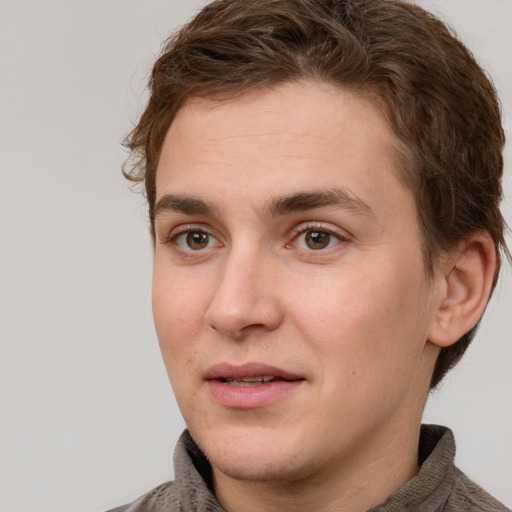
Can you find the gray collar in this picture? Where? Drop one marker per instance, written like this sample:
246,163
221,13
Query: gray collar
428,491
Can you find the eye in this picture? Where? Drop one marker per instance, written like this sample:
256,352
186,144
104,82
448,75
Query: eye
195,240
316,239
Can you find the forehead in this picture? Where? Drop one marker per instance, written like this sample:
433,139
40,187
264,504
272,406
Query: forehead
295,137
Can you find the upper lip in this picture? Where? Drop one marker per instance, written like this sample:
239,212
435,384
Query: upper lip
234,372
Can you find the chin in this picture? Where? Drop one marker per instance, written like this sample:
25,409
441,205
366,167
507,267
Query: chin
261,468
257,456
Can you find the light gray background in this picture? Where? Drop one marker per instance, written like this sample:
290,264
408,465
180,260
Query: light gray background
87,418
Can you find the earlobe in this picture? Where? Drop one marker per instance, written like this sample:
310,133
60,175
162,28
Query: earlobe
467,274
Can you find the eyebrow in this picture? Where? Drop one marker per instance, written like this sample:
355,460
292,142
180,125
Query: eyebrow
303,201
282,205
184,204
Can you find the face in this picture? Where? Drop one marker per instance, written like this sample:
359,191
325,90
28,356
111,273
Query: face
289,293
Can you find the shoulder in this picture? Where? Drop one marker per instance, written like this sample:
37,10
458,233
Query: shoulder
468,496
160,499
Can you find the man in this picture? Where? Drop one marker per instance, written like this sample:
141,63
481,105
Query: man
323,181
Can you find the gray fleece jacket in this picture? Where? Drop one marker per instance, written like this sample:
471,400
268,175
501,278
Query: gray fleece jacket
438,487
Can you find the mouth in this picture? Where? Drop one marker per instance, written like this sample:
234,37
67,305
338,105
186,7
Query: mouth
250,381
249,386
249,374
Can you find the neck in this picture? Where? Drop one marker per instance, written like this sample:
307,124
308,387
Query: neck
364,479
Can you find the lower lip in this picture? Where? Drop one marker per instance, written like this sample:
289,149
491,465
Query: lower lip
251,397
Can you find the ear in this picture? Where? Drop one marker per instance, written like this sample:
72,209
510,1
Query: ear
466,278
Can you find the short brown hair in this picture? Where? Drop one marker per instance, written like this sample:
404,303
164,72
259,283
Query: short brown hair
438,101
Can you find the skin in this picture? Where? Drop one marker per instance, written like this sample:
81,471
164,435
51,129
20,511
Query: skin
352,319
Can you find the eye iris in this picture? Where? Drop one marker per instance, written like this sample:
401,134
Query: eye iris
197,240
317,239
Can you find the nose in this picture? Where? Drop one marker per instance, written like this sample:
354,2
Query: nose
245,298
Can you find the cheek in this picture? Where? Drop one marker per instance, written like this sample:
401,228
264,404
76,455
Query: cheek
366,321
178,317
364,335
178,312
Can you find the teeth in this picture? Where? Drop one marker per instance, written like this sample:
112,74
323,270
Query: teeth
242,383
265,378
250,381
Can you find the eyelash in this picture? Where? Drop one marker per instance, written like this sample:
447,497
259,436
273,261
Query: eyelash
303,229
173,237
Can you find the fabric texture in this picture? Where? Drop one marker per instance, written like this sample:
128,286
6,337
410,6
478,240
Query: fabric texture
438,487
